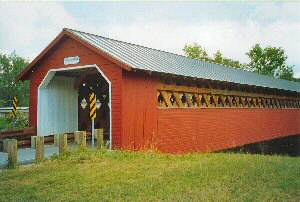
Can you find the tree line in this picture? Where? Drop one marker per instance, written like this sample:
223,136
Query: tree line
270,61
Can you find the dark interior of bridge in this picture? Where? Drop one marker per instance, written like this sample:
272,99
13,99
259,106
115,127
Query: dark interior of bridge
281,146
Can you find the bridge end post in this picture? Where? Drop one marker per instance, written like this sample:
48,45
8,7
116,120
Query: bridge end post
12,150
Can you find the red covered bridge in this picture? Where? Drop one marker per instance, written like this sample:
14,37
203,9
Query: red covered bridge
155,99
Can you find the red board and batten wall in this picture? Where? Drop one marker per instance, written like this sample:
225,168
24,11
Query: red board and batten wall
179,130
138,123
188,130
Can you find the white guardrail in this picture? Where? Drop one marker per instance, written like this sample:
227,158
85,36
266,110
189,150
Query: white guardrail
6,110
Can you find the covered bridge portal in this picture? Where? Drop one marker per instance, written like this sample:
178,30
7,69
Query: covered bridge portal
63,97
155,99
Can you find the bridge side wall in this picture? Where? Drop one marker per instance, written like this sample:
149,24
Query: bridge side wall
189,130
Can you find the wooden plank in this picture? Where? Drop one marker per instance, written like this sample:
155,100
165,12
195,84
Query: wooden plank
178,98
33,142
216,98
82,139
248,100
222,92
206,99
167,95
162,102
209,104
197,100
39,149
99,138
76,137
12,150
189,99
25,131
63,143
227,101
5,145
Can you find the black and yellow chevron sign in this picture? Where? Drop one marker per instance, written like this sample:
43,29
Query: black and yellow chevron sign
92,106
15,104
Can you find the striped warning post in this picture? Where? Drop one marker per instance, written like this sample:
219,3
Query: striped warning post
92,106
15,104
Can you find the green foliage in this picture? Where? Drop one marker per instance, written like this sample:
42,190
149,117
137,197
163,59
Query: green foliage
196,51
220,59
10,66
140,176
270,61
10,123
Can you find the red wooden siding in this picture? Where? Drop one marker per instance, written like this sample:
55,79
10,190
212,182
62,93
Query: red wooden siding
139,112
54,59
188,130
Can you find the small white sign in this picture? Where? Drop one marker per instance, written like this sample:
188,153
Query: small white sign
71,60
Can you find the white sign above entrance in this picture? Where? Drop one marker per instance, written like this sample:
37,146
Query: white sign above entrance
71,60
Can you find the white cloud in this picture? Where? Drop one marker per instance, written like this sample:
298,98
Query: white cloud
232,37
29,26
287,11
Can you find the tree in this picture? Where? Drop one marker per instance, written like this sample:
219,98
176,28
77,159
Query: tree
196,51
269,61
10,66
10,123
220,59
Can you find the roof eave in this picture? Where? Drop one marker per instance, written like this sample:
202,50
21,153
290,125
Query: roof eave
228,82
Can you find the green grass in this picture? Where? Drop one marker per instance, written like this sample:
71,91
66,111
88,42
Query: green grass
129,176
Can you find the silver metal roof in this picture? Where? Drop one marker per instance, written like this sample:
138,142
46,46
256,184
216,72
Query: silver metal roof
143,58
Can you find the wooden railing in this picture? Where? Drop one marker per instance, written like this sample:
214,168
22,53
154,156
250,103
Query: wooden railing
23,136
170,96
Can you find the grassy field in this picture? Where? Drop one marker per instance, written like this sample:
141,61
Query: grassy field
128,176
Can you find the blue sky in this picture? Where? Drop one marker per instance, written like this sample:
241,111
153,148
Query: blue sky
232,27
